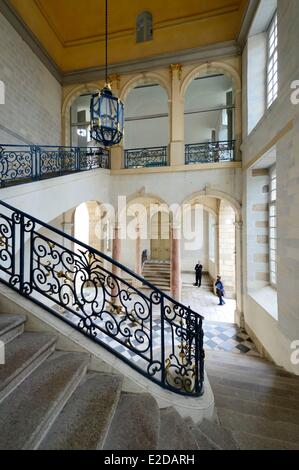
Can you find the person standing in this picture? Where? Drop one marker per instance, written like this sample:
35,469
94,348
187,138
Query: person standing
198,274
219,290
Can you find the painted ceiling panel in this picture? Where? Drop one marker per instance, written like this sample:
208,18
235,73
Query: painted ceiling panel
72,31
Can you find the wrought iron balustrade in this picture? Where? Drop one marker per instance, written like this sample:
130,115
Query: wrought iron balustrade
210,152
23,163
147,329
146,157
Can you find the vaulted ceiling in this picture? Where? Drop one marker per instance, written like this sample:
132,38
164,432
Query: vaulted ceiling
72,31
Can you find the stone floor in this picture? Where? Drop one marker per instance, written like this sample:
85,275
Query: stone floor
203,300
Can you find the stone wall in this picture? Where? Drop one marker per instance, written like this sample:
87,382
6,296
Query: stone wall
279,128
32,109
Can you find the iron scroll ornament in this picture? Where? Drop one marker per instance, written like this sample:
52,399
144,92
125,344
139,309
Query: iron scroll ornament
153,333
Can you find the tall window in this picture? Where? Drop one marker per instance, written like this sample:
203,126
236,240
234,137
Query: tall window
273,228
272,72
144,27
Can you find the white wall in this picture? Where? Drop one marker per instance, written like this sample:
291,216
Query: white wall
32,110
280,124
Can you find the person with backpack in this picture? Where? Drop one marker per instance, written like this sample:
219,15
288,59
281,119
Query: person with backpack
219,290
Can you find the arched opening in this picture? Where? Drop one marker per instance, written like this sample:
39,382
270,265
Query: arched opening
210,240
146,125
209,119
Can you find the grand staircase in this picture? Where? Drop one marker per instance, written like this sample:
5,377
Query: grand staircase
51,399
157,273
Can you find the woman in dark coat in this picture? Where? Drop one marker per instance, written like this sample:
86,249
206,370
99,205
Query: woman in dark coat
220,290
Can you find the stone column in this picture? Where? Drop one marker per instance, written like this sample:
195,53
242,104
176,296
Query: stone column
117,157
176,118
176,281
116,253
138,250
239,314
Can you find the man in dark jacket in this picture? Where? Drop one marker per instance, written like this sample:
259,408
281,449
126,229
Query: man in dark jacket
219,290
198,274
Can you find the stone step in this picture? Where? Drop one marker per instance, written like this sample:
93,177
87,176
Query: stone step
84,422
135,425
259,426
247,441
11,326
219,436
265,388
23,355
261,370
224,357
263,410
283,383
203,443
268,398
28,412
174,434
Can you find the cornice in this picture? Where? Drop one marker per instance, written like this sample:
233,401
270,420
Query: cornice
204,53
26,34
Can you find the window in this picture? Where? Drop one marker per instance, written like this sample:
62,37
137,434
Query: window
144,27
272,72
273,228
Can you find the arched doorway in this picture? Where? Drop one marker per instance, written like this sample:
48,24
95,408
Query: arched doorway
160,237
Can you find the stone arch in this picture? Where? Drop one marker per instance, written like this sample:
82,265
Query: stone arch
228,70
143,78
67,103
211,67
218,195
237,207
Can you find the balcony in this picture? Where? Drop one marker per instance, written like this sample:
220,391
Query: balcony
210,152
23,163
146,157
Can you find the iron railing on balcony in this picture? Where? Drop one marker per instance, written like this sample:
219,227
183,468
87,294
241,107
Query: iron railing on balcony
150,331
210,152
146,157
23,163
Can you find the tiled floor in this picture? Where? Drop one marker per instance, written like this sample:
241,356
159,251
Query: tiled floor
220,332
228,337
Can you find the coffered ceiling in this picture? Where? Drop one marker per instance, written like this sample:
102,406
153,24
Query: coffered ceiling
72,31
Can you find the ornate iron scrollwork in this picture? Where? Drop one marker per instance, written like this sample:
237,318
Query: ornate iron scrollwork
159,337
22,163
146,157
210,152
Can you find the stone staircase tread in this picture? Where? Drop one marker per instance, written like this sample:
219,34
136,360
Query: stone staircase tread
221,437
233,358
236,421
247,441
84,422
254,387
27,413
253,378
174,435
203,443
135,425
251,368
265,410
269,398
22,355
10,326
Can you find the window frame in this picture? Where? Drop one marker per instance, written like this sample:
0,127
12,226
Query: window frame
272,68
272,226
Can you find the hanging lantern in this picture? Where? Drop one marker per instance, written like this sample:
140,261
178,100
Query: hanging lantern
106,110
107,118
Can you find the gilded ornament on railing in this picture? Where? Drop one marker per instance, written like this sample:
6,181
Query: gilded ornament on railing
156,335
